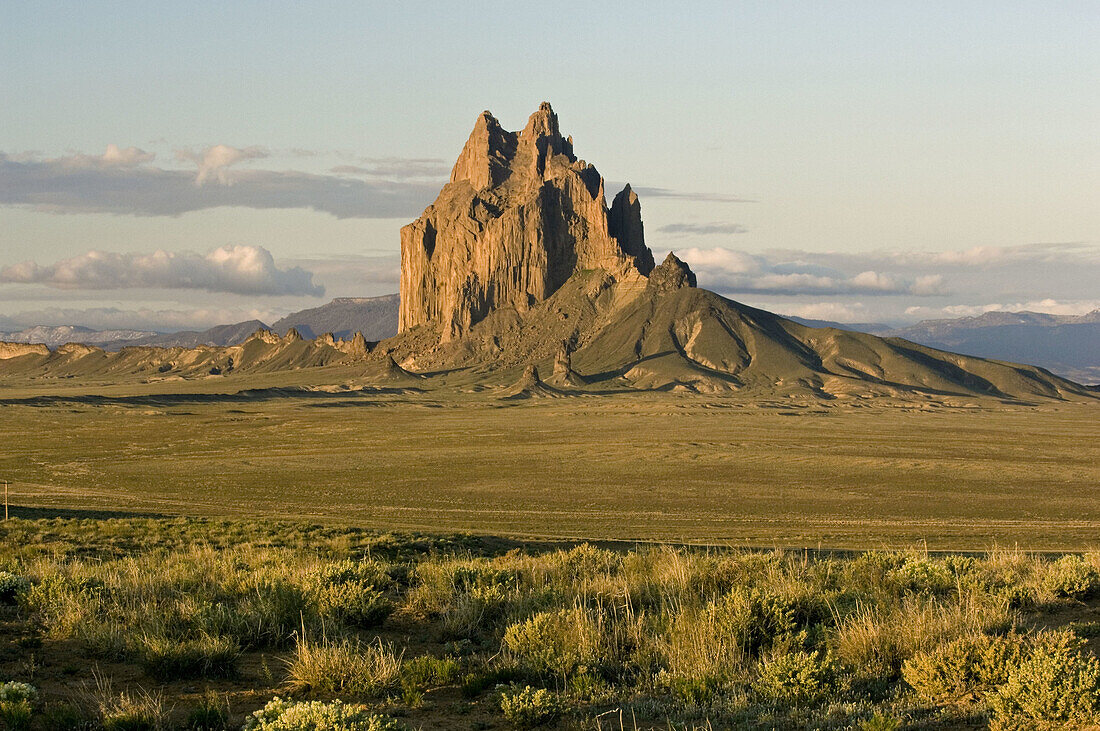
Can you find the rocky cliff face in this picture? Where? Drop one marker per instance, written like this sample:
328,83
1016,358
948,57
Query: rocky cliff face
520,215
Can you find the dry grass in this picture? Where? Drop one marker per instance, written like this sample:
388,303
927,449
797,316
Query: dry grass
654,466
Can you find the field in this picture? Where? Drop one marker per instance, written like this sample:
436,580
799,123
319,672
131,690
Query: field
652,467
182,554
147,624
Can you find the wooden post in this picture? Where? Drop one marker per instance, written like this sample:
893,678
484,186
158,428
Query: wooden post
5,499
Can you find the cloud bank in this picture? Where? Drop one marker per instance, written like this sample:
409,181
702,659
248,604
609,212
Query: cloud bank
123,182
249,270
739,272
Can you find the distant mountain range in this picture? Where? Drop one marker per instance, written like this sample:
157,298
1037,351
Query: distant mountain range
375,317
55,335
1068,345
1064,344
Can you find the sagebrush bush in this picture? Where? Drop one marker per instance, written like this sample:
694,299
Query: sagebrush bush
16,708
794,677
284,715
556,643
1055,685
353,592
12,587
1073,577
528,707
970,664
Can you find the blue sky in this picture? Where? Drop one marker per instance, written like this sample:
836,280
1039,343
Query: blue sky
849,160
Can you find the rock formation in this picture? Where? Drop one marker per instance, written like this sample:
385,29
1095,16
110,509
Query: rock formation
520,215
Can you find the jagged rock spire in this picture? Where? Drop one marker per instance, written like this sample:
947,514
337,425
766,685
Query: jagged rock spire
519,216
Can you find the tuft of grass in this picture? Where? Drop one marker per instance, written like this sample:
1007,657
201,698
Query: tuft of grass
203,657
212,714
129,710
344,666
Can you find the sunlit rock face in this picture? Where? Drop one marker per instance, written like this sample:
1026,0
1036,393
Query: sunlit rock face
520,215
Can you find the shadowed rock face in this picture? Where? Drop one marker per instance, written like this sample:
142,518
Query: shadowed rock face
520,215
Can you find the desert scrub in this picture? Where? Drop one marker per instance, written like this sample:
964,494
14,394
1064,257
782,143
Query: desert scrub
1072,577
557,643
529,707
875,640
283,715
12,587
344,666
794,677
352,592
970,664
1054,686
16,705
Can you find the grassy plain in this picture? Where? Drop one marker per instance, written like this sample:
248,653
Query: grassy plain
627,467
152,624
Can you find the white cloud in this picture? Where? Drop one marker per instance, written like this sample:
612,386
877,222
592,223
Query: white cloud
113,157
797,273
233,269
215,161
835,311
1046,306
122,182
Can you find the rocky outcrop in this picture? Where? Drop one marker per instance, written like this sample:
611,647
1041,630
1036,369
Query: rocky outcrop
520,215
18,350
672,274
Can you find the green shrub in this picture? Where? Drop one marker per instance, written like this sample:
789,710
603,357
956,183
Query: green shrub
1054,686
167,658
923,576
424,672
15,705
794,677
1072,577
12,587
879,722
761,617
212,714
555,643
527,707
970,664
352,592
66,717
282,715
16,691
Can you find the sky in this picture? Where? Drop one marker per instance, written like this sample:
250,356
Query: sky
181,165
